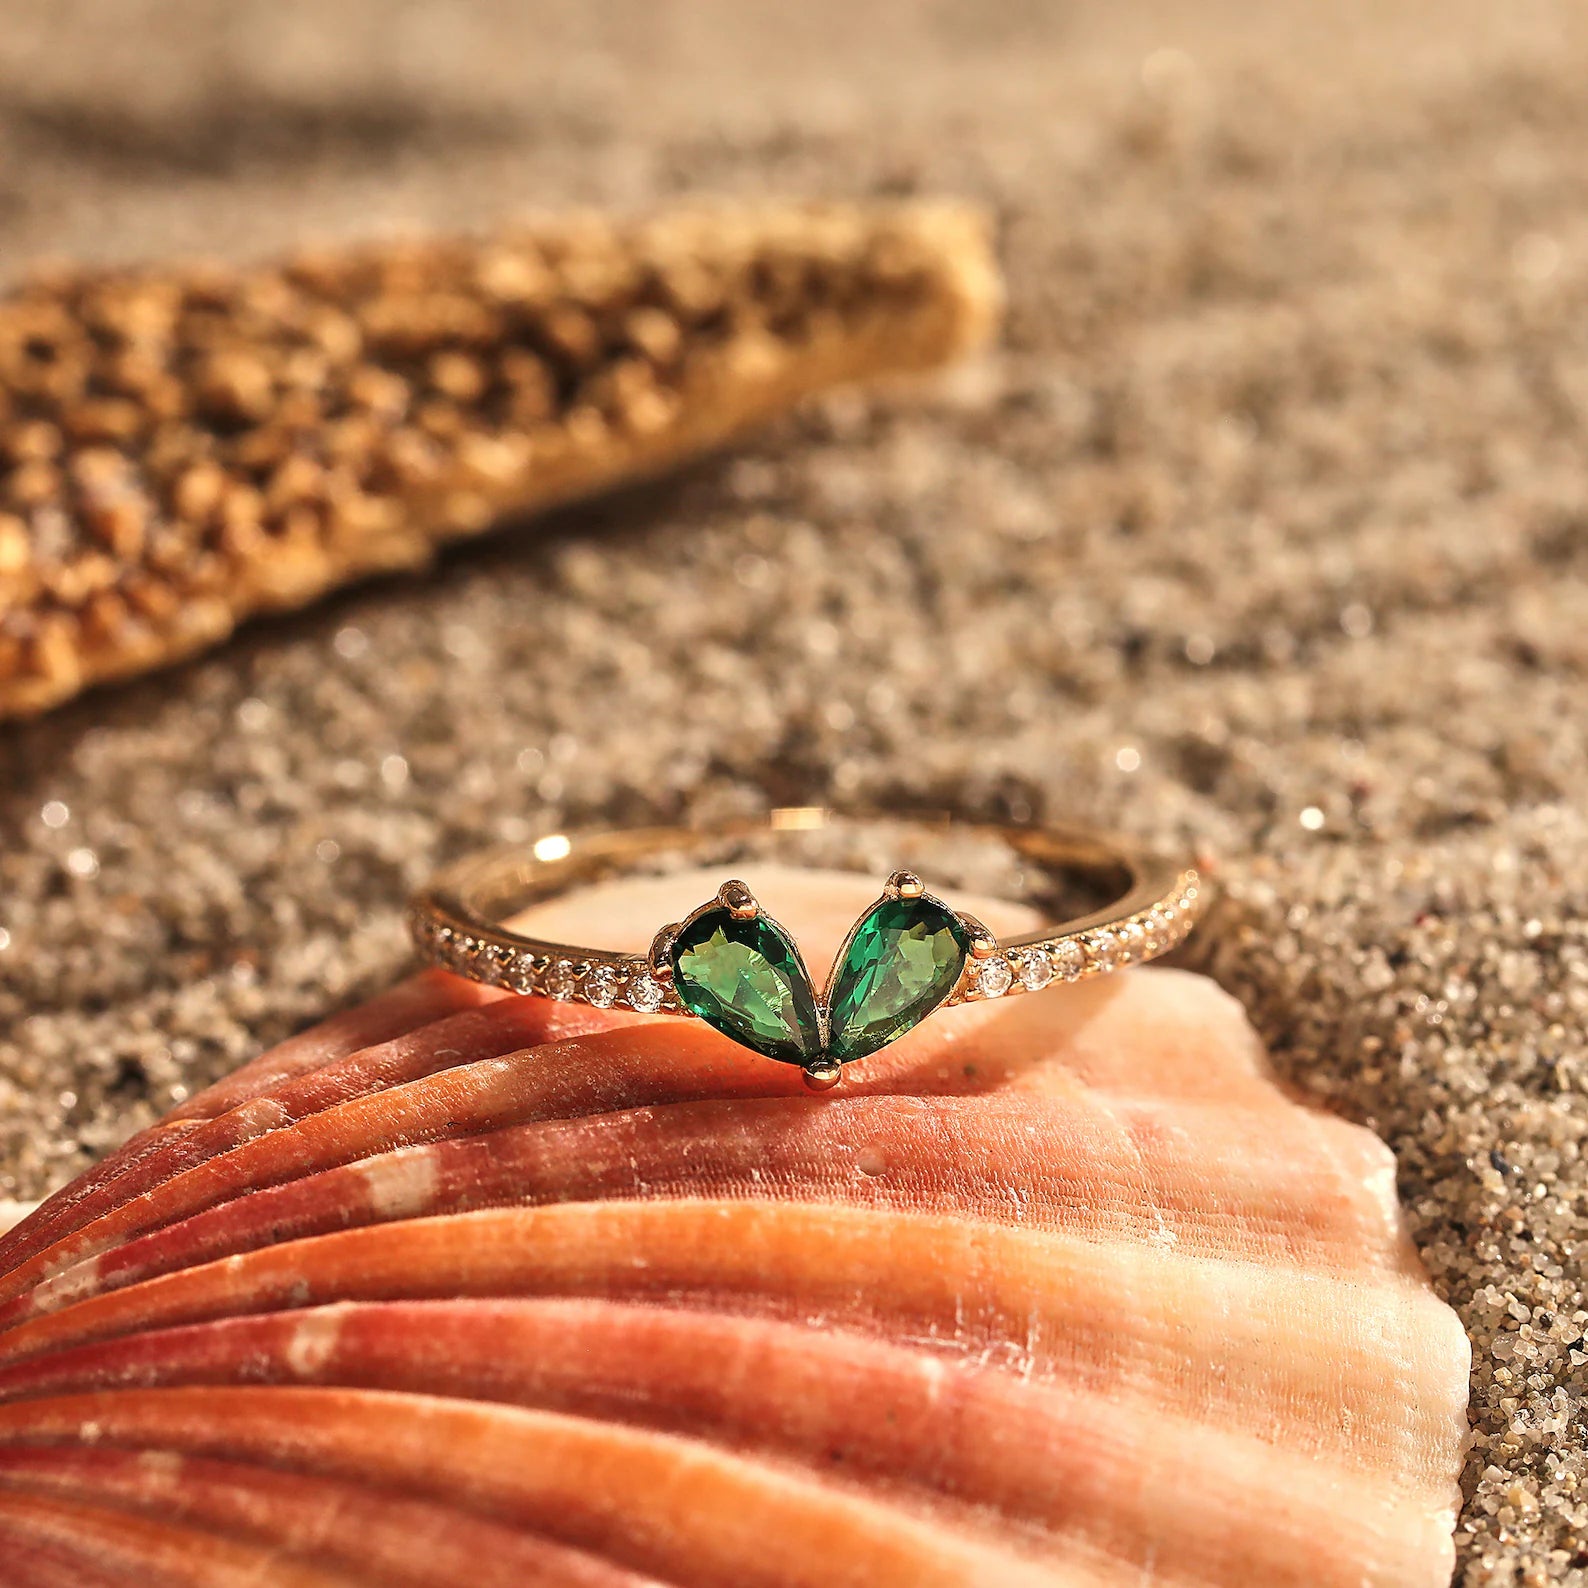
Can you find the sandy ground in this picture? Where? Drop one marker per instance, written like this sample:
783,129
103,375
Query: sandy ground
1266,528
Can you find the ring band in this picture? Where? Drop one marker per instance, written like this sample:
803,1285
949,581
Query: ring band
734,966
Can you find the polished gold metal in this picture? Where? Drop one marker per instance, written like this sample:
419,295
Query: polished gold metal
983,945
737,899
822,1075
660,957
457,920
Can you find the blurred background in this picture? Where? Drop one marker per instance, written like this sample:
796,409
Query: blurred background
1264,528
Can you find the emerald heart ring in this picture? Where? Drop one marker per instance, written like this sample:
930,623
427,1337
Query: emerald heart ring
732,965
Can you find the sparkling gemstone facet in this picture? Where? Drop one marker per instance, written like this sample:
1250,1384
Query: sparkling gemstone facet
560,980
645,994
1036,969
1104,949
904,959
1069,959
994,978
600,986
744,976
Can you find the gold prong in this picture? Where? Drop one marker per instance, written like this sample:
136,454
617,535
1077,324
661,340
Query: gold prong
737,899
983,945
660,956
822,1075
904,885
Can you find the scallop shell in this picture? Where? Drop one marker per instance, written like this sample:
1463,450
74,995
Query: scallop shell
465,1288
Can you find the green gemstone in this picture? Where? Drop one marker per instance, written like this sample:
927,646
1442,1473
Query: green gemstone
903,961
745,978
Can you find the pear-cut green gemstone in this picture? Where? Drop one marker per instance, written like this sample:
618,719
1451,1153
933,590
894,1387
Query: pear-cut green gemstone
745,978
903,961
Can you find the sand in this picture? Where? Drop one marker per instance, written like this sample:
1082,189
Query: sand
1266,530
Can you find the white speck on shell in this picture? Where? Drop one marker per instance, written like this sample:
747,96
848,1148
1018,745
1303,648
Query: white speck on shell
67,1284
401,1183
313,1341
260,1117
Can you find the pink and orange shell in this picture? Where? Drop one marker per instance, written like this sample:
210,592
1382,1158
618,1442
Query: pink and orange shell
461,1288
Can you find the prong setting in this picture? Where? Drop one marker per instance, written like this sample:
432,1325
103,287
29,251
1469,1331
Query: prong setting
903,885
983,945
660,956
736,898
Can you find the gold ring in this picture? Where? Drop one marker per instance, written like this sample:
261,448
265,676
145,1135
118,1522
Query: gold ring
731,964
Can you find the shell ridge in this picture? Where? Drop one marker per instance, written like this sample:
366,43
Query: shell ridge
325,1127
504,1454
734,1248
412,1180
315,1516
633,1361
394,1012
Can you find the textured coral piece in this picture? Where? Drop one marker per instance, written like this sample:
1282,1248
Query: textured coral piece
1058,1291
182,447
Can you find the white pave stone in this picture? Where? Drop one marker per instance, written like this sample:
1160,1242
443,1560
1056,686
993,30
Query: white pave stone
1069,959
1036,969
561,981
600,986
1103,948
645,994
993,977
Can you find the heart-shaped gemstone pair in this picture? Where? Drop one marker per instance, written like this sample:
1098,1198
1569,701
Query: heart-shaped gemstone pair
740,971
